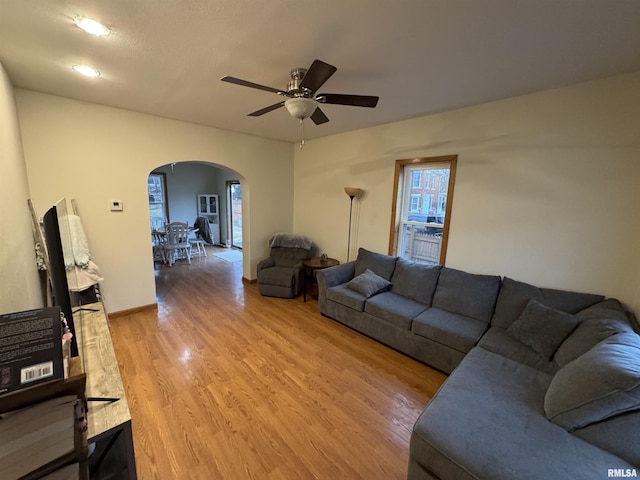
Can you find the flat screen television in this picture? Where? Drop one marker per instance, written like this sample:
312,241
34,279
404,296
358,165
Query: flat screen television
53,220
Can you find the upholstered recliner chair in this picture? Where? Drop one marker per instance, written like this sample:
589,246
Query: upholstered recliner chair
280,274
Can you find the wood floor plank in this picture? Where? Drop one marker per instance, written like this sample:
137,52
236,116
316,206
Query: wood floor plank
224,383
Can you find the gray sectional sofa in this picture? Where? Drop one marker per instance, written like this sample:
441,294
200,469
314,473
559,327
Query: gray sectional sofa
544,383
433,314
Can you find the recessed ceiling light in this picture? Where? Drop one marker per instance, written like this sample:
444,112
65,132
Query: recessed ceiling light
86,70
92,27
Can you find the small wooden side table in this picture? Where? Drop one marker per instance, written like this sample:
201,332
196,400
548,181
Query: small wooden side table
309,268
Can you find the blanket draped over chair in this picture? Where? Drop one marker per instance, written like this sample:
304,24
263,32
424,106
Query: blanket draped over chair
204,229
290,240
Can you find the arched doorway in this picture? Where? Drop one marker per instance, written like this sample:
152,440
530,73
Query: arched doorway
187,190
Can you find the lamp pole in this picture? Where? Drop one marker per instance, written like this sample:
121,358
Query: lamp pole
352,192
349,236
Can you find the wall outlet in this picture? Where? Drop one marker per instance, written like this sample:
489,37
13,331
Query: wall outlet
115,205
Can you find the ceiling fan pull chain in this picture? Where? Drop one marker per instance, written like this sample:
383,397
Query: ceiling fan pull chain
301,133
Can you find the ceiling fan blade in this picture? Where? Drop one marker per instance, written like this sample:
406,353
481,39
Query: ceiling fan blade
353,100
268,109
319,117
245,83
318,73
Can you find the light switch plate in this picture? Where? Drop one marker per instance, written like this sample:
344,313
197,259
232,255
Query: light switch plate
116,205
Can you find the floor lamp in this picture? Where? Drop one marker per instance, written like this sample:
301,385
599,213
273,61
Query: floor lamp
352,192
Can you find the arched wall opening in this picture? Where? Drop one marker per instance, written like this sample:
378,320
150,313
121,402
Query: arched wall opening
185,180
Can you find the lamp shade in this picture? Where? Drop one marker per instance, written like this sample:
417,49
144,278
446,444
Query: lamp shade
301,108
352,191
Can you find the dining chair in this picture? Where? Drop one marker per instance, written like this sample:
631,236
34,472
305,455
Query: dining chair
158,241
177,242
197,246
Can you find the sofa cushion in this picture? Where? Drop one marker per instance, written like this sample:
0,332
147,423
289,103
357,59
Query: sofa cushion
289,257
345,296
599,321
514,296
467,294
602,383
415,281
394,308
454,330
380,264
497,341
542,328
280,276
487,422
368,283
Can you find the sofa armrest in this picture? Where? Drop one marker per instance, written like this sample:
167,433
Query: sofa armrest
330,277
265,263
337,274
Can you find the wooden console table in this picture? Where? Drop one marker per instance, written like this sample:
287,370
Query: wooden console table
109,419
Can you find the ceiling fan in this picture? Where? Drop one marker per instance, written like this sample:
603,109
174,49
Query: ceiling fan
302,100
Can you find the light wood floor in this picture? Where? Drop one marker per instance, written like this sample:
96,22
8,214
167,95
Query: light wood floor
224,383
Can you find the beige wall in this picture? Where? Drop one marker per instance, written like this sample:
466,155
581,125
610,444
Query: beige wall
547,189
19,285
95,154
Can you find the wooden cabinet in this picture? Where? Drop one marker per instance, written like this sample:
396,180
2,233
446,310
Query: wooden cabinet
208,206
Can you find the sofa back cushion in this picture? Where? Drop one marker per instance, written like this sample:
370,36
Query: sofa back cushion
466,293
415,281
600,384
378,263
543,328
599,321
515,295
289,257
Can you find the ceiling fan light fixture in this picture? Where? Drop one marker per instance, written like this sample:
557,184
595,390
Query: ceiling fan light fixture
92,26
301,108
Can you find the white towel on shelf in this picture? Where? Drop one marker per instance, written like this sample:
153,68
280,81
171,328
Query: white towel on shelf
79,244
80,279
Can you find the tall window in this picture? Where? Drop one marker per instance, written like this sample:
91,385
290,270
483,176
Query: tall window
442,204
421,234
157,200
414,206
415,179
430,180
234,213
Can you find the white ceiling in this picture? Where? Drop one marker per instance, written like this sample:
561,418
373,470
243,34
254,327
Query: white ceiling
166,57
